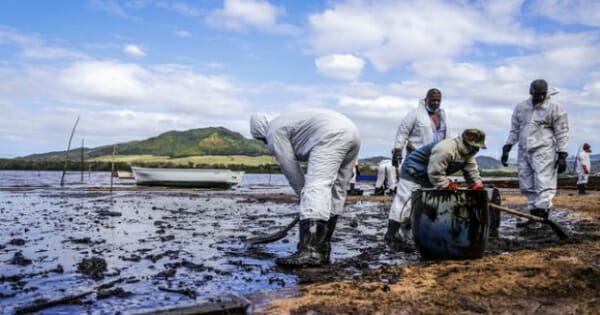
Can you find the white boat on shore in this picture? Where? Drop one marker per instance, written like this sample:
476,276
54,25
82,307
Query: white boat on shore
124,174
186,177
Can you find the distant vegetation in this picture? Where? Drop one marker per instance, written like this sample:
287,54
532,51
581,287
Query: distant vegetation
214,147
174,144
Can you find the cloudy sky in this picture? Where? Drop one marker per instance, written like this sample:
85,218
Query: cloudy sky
134,69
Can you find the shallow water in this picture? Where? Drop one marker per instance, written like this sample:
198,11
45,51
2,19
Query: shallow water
191,240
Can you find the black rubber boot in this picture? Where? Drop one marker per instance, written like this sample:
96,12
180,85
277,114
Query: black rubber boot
396,235
378,192
312,248
330,229
581,188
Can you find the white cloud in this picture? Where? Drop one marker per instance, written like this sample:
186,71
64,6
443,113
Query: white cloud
238,15
32,47
343,67
179,7
462,72
182,33
134,50
391,33
167,87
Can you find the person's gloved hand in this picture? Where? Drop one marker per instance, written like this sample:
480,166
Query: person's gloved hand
453,185
477,186
585,169
505,150
561,162
396,157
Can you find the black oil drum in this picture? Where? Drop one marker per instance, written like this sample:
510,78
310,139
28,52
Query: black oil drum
450,225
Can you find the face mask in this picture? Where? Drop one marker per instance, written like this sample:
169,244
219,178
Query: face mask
474,150
431,110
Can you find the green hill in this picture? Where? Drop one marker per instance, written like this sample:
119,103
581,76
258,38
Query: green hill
174,144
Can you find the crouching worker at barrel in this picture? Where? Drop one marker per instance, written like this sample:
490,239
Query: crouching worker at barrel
329,142
429,167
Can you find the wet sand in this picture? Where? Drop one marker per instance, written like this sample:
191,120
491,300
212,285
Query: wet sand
522,272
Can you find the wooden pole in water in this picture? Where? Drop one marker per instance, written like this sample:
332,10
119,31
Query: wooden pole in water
82,165
62,178
112,167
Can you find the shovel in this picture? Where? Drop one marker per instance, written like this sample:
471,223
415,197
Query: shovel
560,232
270,238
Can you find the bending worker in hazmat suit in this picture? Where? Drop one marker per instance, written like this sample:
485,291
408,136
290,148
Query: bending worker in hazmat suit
386,178
429,167
425,125
329,142
583,168
541,128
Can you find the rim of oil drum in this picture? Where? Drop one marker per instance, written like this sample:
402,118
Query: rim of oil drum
450,225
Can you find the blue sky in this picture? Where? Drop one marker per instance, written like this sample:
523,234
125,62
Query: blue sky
134,69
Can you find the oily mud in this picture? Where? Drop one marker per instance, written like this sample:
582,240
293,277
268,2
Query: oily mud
83,249
523,271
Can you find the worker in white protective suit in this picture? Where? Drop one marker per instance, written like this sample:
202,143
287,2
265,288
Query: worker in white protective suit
429,167
541,128
422,126
427,124
386,178
583,167
329,142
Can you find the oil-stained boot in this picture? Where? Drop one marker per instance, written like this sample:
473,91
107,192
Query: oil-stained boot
312,248
330,228
397,234
379,191
581,188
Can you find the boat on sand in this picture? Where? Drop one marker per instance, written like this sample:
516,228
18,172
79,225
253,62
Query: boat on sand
186,177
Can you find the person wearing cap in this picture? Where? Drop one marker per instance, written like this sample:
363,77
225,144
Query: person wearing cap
329,142
429,167
540,126
583,168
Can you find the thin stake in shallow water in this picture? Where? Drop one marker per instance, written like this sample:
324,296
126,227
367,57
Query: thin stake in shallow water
62,178
112,167
82,165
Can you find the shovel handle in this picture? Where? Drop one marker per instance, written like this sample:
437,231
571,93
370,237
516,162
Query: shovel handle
517,213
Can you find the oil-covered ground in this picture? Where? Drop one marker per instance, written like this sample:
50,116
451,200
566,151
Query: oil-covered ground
142,249
525,272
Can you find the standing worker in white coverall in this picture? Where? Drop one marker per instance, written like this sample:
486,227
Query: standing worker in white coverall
386,178
329,142
541,128
427,124
583,168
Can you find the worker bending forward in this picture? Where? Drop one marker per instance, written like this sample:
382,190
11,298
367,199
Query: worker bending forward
329,142
429,167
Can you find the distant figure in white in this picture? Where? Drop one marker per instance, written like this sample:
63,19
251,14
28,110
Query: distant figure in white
386,178
583,168
329,142
355,174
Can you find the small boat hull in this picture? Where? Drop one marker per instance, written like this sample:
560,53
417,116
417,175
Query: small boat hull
186,178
